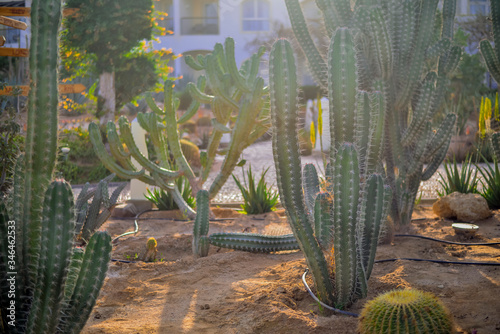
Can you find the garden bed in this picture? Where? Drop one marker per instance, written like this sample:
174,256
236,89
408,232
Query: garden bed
238,292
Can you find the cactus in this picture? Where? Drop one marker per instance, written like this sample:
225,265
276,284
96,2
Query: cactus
201,224
337,230
399,54
55,286
151,251
236,91
90,217
491,54
405,311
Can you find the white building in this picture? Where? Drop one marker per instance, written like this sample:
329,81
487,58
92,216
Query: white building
197,25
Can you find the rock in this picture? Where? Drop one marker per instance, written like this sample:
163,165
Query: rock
464,207
124,210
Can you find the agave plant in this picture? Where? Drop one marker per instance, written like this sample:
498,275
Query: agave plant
257,198
464,180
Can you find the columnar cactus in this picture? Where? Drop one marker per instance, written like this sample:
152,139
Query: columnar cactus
53,284
405,311
236,91
402,54
491,54
90,217
339,233
200,241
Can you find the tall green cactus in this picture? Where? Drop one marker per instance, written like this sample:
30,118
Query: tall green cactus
339,237
491,54
52,288
404,58
236,91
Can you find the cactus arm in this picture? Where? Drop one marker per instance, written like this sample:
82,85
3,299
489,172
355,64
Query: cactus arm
116,148
490,58
238,79
421,113
426,19
418,154
110,164
310,185
330,16
449,9
252,242
93,211
195,65
342,87
126,134
323,220
90,280
345,205
495,144
56,248
198,95
449,62
201,223
116,193
375,143
247,115
381,43
174,140
73,272
442,135
152,105
283,88
195,104
315,61
438,48
436,161
373,213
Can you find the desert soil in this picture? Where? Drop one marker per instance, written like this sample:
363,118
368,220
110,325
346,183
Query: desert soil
238,292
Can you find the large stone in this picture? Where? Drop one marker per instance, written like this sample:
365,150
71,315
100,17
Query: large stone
464,207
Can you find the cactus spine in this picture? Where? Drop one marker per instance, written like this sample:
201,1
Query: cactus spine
235,90
405,311
396,40
50,272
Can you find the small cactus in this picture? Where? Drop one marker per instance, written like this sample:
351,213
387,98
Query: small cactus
405,311
151,251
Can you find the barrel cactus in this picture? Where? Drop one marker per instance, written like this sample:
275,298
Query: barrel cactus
405,311
151,251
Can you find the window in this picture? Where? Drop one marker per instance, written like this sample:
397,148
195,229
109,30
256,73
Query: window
255,15
478,7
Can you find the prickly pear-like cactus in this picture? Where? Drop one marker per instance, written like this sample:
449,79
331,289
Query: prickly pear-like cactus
405,311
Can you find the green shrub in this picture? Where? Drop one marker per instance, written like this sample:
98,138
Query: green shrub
257,198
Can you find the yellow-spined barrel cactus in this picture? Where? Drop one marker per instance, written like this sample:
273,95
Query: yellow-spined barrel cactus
191,152
405,311
151,251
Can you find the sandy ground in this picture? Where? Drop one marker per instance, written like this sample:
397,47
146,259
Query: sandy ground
238,292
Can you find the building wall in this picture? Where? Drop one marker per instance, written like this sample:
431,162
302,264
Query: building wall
230,25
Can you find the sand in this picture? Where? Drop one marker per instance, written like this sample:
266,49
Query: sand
238,292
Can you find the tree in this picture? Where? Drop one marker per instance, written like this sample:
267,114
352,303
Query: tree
104,37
